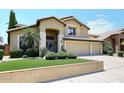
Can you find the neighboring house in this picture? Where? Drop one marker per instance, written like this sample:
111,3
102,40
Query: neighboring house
115,37
67,32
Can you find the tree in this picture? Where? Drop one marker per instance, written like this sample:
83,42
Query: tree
107,46
12,20
1,39
31,38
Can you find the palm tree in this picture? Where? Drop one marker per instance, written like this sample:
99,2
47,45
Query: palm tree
31,38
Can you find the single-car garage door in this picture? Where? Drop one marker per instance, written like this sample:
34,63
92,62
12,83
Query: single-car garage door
96,48
77,47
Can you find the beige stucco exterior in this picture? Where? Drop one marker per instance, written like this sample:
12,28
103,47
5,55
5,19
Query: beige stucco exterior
81,31
14,37
54,24
78,47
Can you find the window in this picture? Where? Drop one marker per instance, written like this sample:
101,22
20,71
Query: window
71,31
21,45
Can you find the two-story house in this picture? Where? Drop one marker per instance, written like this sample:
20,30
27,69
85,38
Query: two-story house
67,32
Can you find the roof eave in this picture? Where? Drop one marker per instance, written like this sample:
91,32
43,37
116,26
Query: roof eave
81,39
75,20
18,28
38,21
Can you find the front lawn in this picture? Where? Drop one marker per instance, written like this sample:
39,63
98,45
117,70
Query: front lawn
33,63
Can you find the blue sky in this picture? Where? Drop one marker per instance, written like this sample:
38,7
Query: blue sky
98,20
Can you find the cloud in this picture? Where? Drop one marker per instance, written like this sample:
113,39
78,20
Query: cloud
100,25
100,15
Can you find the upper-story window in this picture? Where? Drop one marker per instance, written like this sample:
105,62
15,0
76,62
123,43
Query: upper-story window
71,31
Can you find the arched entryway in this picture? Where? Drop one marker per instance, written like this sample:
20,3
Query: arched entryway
52,39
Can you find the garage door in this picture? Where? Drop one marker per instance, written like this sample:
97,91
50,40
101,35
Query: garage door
96,48
78,47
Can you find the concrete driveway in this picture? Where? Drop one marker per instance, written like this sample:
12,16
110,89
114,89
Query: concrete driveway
114,71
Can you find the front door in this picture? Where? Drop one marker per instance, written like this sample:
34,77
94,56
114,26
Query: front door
51,44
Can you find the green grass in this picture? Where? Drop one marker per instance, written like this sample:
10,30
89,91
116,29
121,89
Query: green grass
33,63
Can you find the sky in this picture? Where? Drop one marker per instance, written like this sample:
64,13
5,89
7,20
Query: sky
98,20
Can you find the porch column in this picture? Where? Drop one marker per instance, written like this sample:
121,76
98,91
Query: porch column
117,44
42,43
60,35
91,50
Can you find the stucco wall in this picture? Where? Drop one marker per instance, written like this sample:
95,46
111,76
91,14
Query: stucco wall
54,24
14,38
51,24
45,74
81,31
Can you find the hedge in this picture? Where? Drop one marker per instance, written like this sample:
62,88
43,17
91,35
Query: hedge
1,54
17,53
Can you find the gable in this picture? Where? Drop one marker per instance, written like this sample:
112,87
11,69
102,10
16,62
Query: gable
50,19
75,22
51,23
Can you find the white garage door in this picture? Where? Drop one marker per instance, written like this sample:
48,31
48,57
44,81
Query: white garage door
78,47
96,48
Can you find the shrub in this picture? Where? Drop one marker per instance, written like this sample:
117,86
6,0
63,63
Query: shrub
24,56
30,52
71,56
61,55
50,56
43,52
110,53
17,53
120,53
1,54
107,46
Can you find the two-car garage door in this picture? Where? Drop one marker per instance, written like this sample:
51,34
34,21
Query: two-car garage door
83,47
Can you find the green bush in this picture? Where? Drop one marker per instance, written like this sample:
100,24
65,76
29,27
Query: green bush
43,52
61,55
50,56
17,53
1,54
30,52
110,53
120,53
71,56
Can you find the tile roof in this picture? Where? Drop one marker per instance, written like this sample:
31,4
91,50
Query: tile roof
109,33
37,22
